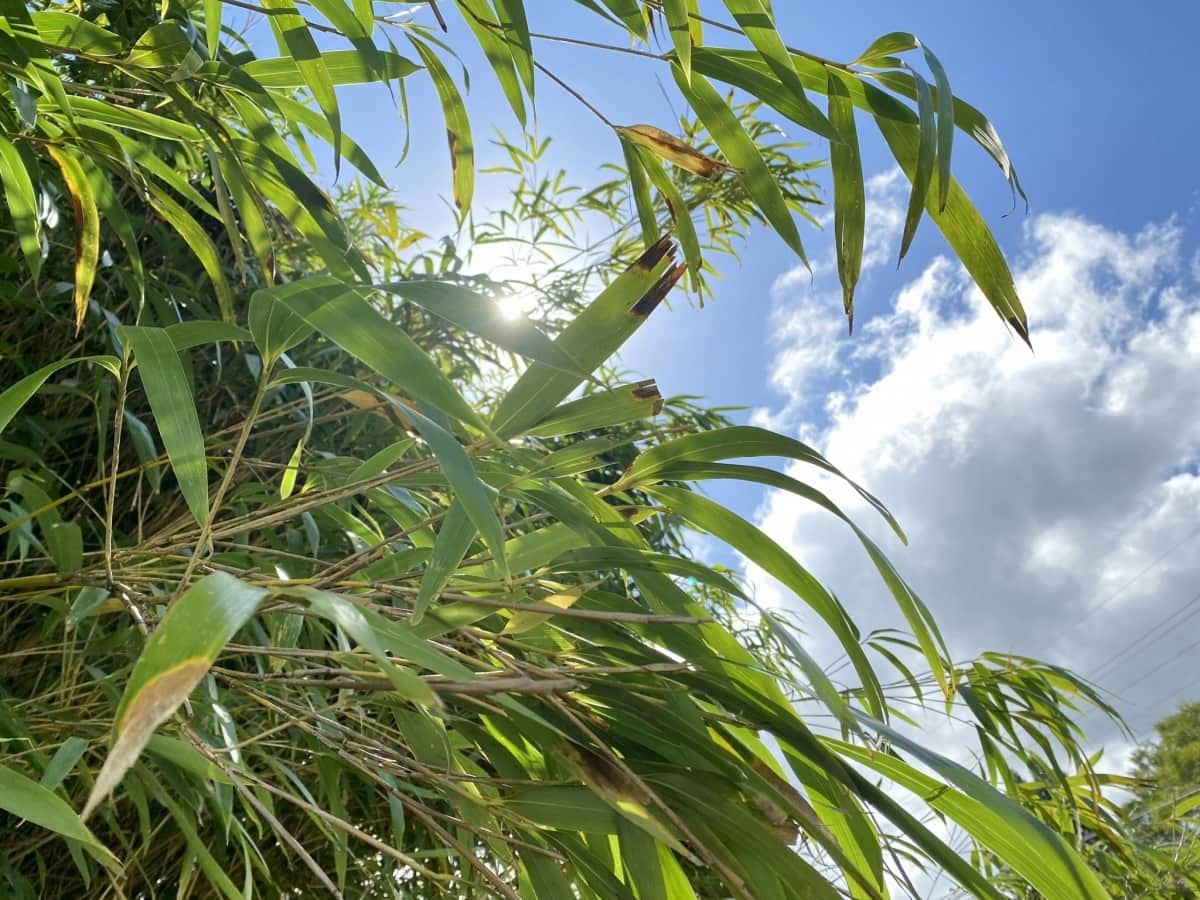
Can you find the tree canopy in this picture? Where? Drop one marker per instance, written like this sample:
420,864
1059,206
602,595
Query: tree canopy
303,594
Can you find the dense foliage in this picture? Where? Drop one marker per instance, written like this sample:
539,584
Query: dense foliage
303,593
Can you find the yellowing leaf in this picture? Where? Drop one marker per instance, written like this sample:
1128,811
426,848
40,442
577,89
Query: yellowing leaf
673,150
176,656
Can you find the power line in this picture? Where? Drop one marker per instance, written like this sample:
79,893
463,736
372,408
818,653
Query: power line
1162,665
1106,667
1128,584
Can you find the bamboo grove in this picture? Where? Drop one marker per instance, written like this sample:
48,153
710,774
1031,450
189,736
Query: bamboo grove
303,595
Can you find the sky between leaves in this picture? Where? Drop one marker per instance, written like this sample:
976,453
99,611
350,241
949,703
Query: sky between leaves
1052,500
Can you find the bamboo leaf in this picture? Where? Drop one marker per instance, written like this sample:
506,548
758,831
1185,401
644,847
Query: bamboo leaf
604,409
22,204
734,442
758,26
87,227
293,34
679,24
640,189
593,336
511,16
849,193
673,150
453,540
681,215
36,803
458,126
945,125
170,395
740,150
16,396
340,312
727,526
177,655
1025,843
483,25
923,171
350,618
480,316
343,66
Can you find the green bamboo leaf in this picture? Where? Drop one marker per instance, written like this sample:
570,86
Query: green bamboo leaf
883,48
22,204
568,807
1012,833
604,409
381,460
64,543
592,337
177,655
349,617
343,66
629,12
351,151
945,125
681,214
186,335
26,799
475,496
748,540
639,187
639,853
740,150
74,34
212,27
164,45
287,484
16,396
679,24
342,314
458,126
601,559
170,395
735,442
480,316
758,26
134,119
849,193
87,226
118,220
918,616
481,21
923,172
199,241
453,540
295,38
63,761
511,16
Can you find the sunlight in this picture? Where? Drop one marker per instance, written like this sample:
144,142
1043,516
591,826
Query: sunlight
516,306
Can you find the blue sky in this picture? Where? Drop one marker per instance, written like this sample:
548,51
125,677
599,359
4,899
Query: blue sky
1051,498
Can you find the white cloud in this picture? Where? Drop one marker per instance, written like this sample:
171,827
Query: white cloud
1039,491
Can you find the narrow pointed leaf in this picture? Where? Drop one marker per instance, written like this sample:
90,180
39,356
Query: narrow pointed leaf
926,155
176,657
170,395
87,227
453,540
740,150
26,799
293,34
849,193
458,126
22,204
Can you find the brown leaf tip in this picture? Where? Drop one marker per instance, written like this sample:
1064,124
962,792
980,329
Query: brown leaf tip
648,390
661,288
654,254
